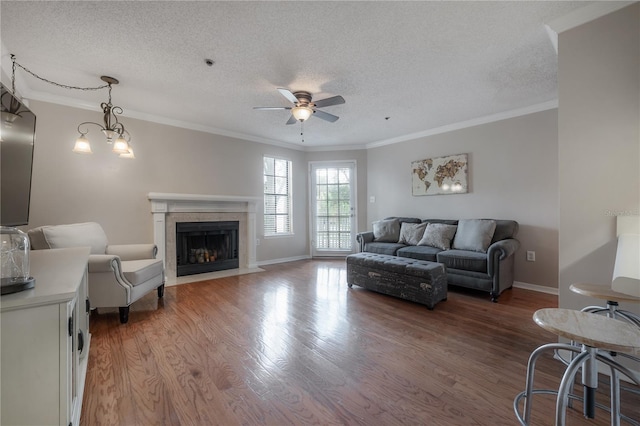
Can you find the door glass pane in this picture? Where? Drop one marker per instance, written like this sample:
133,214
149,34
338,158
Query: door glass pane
333,221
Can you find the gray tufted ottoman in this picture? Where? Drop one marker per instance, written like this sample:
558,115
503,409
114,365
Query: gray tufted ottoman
415,280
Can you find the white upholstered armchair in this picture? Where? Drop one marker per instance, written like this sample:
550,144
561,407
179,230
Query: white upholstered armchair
118,274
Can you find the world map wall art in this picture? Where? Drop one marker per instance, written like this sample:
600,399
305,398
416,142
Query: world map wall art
440,175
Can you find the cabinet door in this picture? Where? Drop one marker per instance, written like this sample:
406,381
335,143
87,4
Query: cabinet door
33,341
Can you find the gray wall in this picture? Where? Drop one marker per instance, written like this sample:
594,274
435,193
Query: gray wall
599,146
101,187
513,174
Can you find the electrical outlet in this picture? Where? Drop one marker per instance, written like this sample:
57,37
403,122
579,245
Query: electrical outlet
531,256
372,199
257,241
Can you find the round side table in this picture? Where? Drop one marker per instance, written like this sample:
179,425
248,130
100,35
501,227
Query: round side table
597,335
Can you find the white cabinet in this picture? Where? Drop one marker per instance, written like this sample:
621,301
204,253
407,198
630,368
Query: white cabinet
45,342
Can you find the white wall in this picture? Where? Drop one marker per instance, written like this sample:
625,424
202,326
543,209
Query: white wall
101,187
513,166
599,146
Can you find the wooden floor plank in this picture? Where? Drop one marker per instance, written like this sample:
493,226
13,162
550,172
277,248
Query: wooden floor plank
294,345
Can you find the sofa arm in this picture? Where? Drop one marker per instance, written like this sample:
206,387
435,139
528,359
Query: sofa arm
103,263
363,238
499,251
133,251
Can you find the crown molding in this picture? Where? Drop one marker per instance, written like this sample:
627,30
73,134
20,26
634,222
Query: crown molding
586,14
469,123
75,103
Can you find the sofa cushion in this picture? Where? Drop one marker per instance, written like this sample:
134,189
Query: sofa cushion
419,252
387,230
383,248
463,259
474,234
505,229
445,221
89,234
140,271
438,235
411,233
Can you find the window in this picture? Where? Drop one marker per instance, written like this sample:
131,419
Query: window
277,196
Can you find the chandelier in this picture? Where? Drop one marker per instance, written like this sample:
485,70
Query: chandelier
111,127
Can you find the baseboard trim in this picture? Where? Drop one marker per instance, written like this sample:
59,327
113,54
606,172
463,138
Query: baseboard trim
535,287
283,260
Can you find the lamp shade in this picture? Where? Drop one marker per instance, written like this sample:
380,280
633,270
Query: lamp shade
120,146
301,113
82,145
129,154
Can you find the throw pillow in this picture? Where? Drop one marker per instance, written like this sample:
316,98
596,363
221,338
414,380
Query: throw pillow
474,234
438,235
411,233
386,231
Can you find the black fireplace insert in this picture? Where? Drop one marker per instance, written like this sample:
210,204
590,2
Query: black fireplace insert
206,247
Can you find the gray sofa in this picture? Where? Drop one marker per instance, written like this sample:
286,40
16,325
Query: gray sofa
479,256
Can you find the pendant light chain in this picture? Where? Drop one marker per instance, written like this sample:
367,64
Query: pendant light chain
112,128
13,79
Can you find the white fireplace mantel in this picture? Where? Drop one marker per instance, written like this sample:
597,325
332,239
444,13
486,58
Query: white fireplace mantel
163,204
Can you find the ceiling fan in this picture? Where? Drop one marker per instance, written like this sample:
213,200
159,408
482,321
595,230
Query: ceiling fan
303,107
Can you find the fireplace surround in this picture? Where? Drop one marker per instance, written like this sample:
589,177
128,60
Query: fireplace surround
169,209
206,247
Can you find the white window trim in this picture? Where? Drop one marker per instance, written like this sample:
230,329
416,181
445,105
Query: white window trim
290,195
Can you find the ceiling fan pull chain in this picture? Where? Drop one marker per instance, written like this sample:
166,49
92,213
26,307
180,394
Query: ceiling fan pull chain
302,130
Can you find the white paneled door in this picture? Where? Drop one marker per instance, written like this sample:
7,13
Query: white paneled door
333,218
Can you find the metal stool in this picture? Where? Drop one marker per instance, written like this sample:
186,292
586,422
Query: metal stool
597,335
612,298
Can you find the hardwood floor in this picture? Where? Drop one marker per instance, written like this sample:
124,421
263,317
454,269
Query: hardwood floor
294,345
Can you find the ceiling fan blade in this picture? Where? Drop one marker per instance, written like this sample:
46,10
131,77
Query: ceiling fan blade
271,108
334,100
292,120
325,116
287,94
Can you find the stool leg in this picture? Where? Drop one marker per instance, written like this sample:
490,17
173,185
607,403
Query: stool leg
565,385
632,318
590,382
531,366
615,398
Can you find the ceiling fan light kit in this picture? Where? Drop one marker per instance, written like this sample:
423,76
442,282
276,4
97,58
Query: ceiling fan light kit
301,113
304,108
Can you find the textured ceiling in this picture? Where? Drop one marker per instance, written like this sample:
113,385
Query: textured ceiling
423,64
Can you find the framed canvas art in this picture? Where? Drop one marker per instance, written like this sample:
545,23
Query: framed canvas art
440,175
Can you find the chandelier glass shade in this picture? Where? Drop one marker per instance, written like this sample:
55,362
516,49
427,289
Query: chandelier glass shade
111,127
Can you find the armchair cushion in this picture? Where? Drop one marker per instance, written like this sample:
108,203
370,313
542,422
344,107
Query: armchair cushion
140,271
89,234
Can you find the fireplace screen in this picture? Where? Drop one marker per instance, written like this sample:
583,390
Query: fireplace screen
206,247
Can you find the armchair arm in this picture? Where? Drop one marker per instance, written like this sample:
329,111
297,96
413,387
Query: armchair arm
103,263
499,251
133,251
107,285
363,238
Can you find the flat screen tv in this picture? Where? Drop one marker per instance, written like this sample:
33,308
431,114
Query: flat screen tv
17,136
